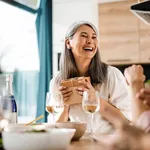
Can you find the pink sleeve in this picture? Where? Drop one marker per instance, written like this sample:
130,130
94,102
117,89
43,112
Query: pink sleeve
144,121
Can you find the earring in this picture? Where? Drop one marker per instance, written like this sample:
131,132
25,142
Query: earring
68,48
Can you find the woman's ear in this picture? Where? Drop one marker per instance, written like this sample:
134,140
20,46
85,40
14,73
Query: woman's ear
67,42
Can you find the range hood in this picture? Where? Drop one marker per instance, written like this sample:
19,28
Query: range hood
142,11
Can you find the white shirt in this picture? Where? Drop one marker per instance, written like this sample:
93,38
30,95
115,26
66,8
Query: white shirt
114,88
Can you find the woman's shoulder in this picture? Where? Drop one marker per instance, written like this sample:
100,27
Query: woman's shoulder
55,76
115,73
113,70
54,80
54,85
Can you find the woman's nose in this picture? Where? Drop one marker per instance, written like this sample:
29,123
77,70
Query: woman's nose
89,40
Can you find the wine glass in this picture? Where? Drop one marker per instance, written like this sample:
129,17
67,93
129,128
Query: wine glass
91,104
54,107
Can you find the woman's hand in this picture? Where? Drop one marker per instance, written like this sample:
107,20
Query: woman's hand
134,74
85,86
66,92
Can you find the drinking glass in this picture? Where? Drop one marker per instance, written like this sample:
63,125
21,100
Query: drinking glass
91,104
54,107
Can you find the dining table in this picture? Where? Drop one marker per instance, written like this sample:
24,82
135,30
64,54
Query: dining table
87,143
84,144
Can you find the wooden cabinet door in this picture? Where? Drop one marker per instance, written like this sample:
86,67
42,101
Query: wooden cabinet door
118,33
144,44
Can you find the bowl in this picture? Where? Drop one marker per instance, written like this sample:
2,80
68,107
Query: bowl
80,128
25,139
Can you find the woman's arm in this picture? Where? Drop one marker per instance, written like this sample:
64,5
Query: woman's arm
65,115
65,93
112,114
119,102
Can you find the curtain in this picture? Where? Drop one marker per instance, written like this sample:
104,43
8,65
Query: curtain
25,85
44,36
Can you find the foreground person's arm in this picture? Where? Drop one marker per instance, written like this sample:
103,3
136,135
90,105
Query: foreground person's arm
135,78
128,137
144,96
145,144
137,106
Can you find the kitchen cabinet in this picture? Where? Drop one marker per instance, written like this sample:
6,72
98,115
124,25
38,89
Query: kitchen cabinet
119,34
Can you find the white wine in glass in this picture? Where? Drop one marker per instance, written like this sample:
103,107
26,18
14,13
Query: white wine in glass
54,107
89,108
91,104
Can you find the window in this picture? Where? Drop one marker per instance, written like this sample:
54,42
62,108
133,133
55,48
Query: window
19,55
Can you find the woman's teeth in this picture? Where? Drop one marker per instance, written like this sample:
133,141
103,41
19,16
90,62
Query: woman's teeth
88,48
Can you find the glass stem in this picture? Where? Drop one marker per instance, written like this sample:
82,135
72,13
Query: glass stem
91,122
53,118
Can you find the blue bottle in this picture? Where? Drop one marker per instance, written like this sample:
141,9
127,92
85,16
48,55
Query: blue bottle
9,92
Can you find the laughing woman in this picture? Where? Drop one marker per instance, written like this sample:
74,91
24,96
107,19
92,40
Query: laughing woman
81,57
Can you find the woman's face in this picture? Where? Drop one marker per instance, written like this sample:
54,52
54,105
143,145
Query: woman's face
84,43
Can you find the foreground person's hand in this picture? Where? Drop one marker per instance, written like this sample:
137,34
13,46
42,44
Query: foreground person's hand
144,96
134,74
128,138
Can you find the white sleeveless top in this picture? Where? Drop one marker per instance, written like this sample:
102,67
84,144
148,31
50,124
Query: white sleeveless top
114,88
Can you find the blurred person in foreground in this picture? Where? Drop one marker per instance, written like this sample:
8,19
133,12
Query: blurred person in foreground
136,136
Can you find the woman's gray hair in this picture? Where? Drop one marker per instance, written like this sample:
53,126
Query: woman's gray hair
73,28
68,69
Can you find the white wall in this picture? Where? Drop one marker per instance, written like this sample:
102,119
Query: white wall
65,12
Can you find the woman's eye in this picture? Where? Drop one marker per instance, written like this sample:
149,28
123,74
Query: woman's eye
94,37
84,35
